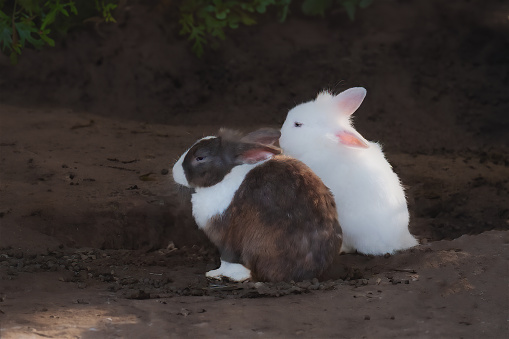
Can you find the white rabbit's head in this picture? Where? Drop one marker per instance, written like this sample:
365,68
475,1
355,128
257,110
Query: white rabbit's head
324,122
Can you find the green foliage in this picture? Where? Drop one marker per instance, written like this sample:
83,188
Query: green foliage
202,20
34,23
31,22
105,9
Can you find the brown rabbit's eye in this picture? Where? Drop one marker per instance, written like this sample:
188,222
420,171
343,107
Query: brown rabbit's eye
199,158
297,124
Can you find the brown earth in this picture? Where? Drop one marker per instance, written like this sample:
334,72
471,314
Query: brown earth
96,241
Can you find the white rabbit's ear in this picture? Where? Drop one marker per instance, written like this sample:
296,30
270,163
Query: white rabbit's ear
348,101
350,139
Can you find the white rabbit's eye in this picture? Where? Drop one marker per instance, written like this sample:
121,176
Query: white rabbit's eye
297,124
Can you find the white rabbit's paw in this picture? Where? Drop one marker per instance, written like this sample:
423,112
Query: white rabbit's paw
233,272
347,249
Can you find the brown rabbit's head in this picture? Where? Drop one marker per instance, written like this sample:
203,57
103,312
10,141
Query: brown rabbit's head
210,159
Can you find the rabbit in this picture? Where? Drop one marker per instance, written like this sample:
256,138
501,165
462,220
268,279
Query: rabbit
270,216
370,199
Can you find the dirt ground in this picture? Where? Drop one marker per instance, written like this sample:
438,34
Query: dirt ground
96,241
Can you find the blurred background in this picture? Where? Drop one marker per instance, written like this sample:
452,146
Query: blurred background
436,71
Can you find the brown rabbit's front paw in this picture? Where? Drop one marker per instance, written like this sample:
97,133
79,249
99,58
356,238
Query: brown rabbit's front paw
233,272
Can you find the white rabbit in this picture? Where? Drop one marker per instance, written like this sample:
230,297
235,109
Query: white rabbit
271,217
371,203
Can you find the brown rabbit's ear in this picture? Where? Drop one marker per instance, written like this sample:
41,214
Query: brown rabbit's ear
229,134
248,153
265,136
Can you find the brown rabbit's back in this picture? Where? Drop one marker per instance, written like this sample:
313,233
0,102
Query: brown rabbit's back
282,223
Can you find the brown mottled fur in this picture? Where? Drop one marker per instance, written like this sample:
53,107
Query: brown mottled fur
282,223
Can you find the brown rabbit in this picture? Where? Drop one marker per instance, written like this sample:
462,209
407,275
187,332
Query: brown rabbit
270,216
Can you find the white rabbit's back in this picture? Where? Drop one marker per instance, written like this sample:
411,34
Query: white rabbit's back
371,202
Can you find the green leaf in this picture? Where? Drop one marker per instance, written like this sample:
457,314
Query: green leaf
74,10
247,7
5,27
49,18
4,17
261,6
16,48
349,6
63,11
284,10
209,8
247,20
108,17
315,7
197,34
186,20
48,40
30,6
25,30
5,37
198,48
222,14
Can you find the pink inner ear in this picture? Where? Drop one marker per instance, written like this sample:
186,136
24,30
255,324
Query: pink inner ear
256,155
351,140
350,100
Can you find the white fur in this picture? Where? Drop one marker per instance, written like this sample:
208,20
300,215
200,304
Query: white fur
178,170
371,203
214,200
210,201
234,272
